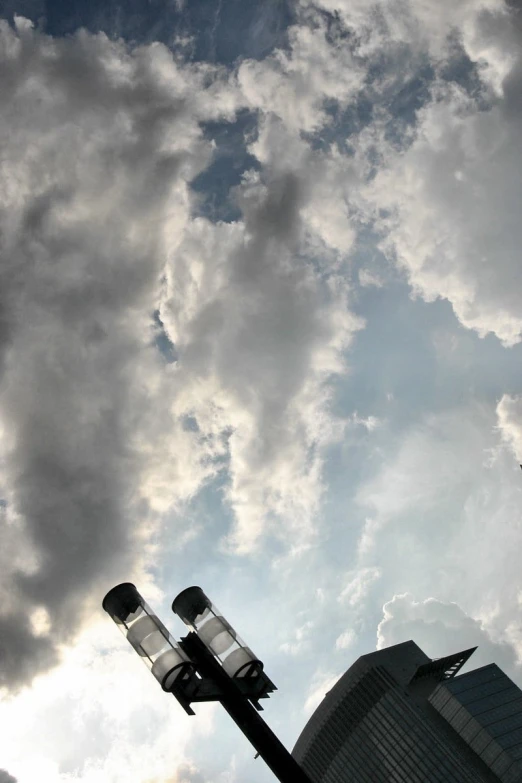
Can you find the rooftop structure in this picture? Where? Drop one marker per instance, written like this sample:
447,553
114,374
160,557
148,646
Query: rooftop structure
397,715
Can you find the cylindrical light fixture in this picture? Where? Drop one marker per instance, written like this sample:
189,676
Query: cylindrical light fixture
147,634
199,613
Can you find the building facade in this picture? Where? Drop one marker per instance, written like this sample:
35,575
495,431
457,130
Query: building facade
396,715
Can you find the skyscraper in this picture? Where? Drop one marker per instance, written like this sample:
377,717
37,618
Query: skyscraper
396,715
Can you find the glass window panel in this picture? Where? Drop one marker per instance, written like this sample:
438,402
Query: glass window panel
494,700
490,752
474,678
513,774
495,713
451,707
501,764
504,726
509,739
470,730
481,741
460,719
439,697
486,689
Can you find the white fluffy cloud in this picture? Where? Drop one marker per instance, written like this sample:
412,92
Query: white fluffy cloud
446,202
445,518
295,85
509,413
104,701
449,198
440,629
419,24
101,438
260,331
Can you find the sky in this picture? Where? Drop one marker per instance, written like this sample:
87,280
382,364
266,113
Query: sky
260,331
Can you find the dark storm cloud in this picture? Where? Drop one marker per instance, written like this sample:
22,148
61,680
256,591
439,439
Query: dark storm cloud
97,144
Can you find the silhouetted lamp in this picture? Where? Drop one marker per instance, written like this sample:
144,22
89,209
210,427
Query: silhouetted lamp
202,616
211,663
147,634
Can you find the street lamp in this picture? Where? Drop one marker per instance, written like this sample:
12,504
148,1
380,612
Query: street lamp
211,663
202,617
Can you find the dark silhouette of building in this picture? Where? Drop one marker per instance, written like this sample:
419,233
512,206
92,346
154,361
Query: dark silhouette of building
396,715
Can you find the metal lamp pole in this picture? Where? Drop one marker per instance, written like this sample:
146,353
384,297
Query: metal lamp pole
211,663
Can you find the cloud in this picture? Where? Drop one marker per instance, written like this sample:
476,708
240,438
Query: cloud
328,179
115,716
368,279
301,639
444,517
321,684
358,586
382,25
441,628
370,423
186,773
346,640
428,458
99,143
443,192
261,332
509,413
5,777
295,85
441,159
448,196
101,440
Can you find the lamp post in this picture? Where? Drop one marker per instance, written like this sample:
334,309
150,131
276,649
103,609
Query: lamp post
211,663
